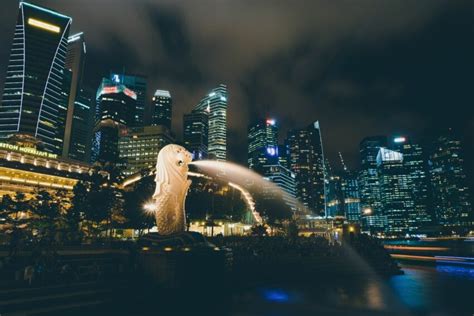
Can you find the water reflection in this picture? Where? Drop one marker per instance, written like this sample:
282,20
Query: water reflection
422,290
456,271
441,289
339,296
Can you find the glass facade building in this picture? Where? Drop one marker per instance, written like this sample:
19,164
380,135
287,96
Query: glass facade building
415,167
33,90
215,103
262,144
139,147
351,196
334,198
372,217
343,198
395,192
115,112
82,126
137,84
306,158
75,61
195,133
283,179
162,108
451,199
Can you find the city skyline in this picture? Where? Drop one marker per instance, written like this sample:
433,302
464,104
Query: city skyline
411,82
155,148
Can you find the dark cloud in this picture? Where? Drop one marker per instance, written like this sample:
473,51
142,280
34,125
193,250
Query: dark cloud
359,67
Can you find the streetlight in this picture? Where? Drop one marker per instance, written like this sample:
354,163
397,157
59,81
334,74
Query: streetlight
149,207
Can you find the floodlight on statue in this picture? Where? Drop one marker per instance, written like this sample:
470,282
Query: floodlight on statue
172,185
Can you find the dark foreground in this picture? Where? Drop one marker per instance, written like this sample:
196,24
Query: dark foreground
268,278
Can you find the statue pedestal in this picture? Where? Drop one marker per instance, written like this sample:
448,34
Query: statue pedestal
182,260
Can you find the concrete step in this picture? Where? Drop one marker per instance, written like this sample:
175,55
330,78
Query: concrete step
46,300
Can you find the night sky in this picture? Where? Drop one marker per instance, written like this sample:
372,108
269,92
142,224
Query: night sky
359,67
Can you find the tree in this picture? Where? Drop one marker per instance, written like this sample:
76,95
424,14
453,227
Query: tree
258,230
97,204
7,210
292,230
100,201
134,200
45,217
75,214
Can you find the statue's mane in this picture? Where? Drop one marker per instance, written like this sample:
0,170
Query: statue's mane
166,168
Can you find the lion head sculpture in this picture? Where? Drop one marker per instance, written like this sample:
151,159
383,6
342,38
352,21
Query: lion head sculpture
171,167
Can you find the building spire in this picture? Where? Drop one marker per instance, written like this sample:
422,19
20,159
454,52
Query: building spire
342,162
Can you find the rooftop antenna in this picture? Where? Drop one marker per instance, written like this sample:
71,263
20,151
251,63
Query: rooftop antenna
342,162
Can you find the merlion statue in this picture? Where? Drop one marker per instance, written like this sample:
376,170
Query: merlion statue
172,185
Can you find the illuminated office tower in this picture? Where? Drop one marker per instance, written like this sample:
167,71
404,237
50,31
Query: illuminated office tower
82,126
162,109
262,144
35,77
283,155
452,206
75,61
195,133
137,84
415,168
62,105
334,198
343,195
284,179
372,217
139,147
351,196
396,196
115,112
306,158
215,103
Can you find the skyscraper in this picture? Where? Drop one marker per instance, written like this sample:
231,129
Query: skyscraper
139,147
215,103
162,108
283,179
35,76
75,61
115,111
351,196
137,84
82,126
452,206
283,155
415,167
306,158
195,133
372,217
342,193
395,192
334,198
262,144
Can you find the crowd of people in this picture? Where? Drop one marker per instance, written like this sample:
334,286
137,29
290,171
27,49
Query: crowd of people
46,267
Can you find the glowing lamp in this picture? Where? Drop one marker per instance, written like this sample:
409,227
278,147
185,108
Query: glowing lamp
149,207
271,122
272,151
399,139
43,25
